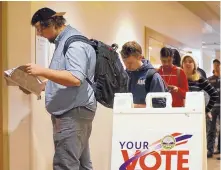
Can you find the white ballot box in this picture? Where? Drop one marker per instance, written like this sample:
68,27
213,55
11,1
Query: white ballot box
159,138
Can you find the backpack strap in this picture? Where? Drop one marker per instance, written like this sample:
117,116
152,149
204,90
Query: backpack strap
149,77
178,76
75,38
129,81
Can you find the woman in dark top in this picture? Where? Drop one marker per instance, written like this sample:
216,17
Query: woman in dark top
198,83
176,57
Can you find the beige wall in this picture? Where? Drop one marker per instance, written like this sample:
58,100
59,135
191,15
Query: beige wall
110,22
19,105
1,95
4,91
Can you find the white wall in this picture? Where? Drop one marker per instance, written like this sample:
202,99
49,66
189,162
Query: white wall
218,55
107,21
208,56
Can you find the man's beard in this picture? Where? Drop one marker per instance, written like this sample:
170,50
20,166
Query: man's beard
51,40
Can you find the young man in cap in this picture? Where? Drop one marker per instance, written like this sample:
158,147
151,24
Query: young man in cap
215,82
138,70
68,97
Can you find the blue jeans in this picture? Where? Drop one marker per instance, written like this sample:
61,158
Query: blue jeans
211,133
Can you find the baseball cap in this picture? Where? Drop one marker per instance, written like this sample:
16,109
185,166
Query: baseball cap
44,14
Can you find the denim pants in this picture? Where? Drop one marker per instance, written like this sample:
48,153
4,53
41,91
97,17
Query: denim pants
211,133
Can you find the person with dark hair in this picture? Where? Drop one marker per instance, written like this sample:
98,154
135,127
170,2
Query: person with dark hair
46,21
215,82
143,76
68,97
216,65
174,77
176,57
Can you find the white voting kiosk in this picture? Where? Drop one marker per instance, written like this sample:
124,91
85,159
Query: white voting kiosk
159,138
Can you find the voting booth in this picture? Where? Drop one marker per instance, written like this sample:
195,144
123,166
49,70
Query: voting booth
159,138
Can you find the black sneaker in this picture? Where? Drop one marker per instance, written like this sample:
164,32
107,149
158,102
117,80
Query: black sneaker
209,154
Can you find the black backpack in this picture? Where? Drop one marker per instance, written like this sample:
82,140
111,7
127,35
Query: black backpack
110,76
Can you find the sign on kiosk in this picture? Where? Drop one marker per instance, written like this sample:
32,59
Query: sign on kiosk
159,138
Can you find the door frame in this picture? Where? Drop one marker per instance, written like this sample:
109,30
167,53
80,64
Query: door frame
4,139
